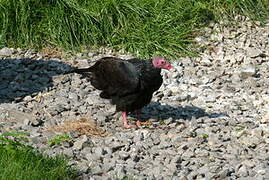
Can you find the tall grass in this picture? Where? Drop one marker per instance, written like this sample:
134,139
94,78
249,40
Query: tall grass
19,161
142,27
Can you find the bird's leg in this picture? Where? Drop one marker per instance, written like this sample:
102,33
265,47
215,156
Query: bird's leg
125,121
138,121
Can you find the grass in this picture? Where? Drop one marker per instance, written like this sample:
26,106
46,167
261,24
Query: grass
18,161
142,27
58,139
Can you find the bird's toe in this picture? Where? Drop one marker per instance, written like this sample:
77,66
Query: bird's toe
138,123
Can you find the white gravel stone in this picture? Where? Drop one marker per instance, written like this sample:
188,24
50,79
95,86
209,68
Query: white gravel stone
253,52
6,52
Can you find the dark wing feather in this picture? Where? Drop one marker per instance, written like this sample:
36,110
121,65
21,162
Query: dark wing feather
151,80
114,77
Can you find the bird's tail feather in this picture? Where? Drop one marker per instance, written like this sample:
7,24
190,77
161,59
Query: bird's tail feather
82,71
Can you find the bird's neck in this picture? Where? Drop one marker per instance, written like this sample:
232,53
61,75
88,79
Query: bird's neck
153,63
152,66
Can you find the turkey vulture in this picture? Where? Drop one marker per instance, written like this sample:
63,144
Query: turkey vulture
128,83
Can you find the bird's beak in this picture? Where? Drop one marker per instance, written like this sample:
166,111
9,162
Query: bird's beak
170,68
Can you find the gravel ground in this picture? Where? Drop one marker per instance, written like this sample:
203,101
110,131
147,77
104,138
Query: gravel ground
209,120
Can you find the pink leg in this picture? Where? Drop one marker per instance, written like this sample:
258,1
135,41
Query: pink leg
138,121
125,121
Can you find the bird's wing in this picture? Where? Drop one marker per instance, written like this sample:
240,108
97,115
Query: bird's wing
150,78
116,76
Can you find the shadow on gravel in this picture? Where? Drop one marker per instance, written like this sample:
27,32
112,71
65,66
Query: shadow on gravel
23,77
162,112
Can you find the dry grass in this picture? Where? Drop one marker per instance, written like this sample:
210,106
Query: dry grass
82,126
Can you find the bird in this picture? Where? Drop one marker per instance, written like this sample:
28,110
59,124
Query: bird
128,84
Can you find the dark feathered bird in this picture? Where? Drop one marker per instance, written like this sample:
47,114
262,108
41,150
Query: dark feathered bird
128,83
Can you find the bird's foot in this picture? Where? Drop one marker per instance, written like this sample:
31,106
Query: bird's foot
138,123
125,121
128,126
